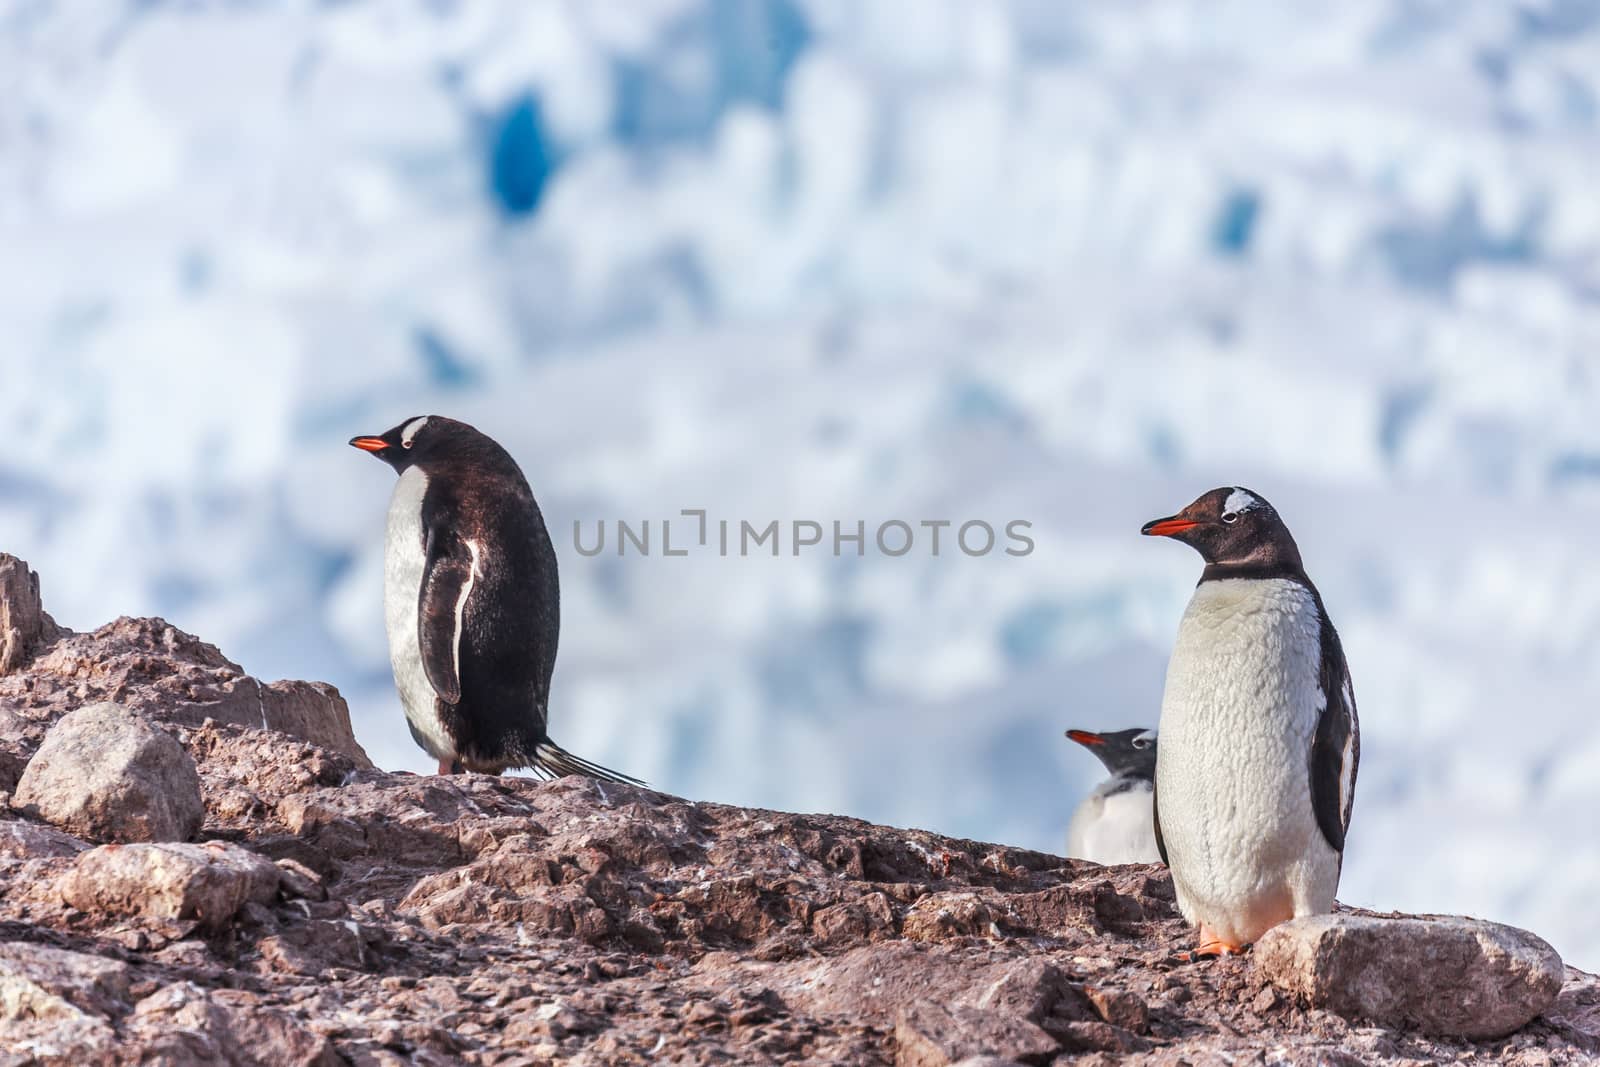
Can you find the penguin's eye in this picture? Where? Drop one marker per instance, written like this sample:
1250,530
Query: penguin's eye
1229,517
1139,742
406,443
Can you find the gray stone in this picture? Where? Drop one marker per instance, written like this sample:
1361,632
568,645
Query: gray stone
1450,976
209,883
106,774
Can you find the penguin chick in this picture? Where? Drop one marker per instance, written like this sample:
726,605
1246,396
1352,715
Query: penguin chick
1259,737
1116,822
471,602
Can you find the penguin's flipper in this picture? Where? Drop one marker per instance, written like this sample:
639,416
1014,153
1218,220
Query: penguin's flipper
448,571
1336,746
1155,814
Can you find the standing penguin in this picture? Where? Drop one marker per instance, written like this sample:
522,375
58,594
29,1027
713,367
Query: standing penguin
471,602
1259,738
1116,822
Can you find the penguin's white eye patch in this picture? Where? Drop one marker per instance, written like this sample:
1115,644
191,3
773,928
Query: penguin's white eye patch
1240,500
408,434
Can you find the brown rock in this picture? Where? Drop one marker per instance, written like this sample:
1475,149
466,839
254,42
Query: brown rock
25,840
932,1035
854,921
313,711
105,773
1032,989
146,664
1121,1009
295,879
468,897
172,677
91,982
314,948
13,759
1578,1006
1455,976
209,882
189,1026
25,628
58,1001
941,916
1096,1036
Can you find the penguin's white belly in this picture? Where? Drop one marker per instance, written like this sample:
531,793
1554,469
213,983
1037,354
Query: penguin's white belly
403,564
1114,827
1241,707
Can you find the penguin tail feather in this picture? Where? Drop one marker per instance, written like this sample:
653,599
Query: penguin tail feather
550,760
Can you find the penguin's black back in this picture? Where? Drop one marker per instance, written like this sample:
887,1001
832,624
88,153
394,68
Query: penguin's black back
511,619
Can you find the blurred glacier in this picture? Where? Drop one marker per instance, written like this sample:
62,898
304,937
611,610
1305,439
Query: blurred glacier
941,259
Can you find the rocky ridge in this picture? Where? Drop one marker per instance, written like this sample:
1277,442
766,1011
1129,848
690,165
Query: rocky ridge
327,912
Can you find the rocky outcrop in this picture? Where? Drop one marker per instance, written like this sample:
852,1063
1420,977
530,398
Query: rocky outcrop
105,774
169,677
336,914
24,626
489,920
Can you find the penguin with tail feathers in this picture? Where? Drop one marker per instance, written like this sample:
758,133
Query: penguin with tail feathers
471,602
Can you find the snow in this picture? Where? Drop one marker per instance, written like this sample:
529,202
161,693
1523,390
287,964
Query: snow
944,260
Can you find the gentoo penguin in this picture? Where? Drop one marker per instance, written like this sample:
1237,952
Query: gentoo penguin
1259,739
471,601
1116,822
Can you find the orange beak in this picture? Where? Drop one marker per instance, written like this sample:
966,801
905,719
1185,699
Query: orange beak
1167,527
369,444
1084,737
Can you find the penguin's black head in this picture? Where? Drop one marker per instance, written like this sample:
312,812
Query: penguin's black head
414,441
1233,527
1126,753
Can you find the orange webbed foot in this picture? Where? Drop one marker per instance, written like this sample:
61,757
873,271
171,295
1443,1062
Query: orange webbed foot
1210,947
